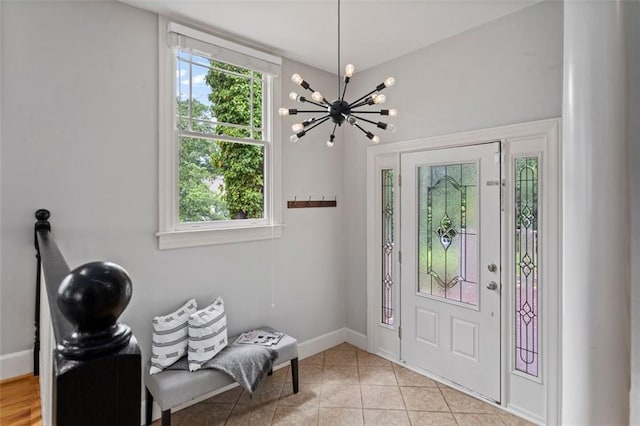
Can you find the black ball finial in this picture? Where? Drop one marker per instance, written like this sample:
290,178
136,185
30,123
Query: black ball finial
43,214
93,296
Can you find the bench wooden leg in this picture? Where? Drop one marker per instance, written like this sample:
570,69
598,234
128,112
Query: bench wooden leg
166,417
148,407
294,374
270,372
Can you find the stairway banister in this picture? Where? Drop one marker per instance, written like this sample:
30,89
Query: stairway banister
92,373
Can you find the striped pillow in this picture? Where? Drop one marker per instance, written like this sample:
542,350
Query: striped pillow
207,334
170,335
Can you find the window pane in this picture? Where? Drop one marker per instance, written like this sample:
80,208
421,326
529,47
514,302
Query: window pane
200,93
387,247
220,180
236,99
447,250
215,98
526,264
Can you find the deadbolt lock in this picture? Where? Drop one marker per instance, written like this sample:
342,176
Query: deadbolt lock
492,267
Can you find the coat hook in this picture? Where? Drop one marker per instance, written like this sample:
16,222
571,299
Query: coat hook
295,197
323,198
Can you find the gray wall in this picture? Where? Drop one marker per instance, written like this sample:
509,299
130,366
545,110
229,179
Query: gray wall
79,137
505,72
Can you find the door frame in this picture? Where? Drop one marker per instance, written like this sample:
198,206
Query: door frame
540,138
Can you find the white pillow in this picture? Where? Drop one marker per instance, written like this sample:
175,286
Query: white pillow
207,334
170,337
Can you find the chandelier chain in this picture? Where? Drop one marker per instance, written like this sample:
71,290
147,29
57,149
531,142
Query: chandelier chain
338,73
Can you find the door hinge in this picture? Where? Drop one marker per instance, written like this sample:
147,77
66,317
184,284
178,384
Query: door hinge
399,180
399,332
399,256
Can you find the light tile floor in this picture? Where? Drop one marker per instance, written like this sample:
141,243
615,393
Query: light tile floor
345,386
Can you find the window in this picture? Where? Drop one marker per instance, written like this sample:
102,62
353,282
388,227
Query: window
219,144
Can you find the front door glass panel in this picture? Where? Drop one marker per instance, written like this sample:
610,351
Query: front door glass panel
448,232
526,265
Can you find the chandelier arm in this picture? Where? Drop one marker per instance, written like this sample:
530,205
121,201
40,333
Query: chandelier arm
359,104
365,119
312,90
320,121
313,102
346,83
362,97
311,110
366,132
333,132
367,112
312,120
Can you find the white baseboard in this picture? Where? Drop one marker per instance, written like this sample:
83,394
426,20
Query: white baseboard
320,343
305,350
356,339
16,364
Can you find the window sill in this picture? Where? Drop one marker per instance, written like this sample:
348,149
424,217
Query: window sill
207,237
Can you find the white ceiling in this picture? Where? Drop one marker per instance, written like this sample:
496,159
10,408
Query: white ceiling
372,31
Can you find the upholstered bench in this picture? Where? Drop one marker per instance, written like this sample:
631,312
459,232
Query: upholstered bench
171,388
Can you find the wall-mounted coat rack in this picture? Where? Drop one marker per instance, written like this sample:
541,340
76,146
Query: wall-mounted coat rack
295,204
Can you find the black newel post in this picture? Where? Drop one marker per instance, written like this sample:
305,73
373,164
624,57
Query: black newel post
42,222
97,363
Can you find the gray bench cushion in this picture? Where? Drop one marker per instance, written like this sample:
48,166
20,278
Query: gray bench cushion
171,388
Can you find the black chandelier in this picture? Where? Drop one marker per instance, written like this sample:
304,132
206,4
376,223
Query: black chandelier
339,110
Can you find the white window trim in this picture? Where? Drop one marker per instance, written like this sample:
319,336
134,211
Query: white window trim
171,233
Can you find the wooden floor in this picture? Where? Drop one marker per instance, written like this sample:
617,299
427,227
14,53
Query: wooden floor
20,401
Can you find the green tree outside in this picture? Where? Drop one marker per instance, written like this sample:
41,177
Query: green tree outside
233,99
196,171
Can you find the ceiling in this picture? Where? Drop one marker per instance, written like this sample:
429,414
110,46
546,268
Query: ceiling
372,31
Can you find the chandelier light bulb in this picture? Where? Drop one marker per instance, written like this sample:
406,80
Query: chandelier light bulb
283,112
351,120
388,82
317,96
293,96
375,139
297,79
294,138
379,99
349,70
393,112
297,128
391,128
330,143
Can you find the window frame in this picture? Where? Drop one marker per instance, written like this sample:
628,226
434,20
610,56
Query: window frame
173,234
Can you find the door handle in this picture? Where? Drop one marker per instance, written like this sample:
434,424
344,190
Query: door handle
492,285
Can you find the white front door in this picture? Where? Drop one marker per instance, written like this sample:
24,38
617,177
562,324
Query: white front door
450,246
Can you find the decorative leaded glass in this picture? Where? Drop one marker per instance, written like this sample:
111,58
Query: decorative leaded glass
387,246
448,233
526,265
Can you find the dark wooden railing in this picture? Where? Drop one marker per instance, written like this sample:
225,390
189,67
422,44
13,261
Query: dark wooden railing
91,371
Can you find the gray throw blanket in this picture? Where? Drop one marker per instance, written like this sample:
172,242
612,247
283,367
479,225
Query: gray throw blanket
246,364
